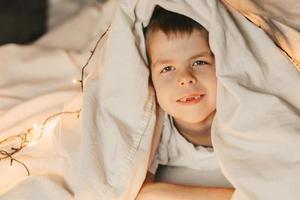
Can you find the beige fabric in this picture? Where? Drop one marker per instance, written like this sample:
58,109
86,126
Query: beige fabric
175,150
36,82
106,154
183,163
280,20
257,113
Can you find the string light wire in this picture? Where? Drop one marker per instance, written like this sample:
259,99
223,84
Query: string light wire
27,138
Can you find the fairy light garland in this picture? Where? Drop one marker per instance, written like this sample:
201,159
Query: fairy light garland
90,57
290,57
29,137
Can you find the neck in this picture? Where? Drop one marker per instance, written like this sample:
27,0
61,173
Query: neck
197,133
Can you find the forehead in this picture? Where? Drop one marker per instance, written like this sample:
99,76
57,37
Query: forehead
176,45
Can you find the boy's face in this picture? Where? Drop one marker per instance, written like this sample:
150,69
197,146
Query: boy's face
183,75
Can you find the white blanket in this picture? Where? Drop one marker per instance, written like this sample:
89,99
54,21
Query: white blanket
105,156
36,81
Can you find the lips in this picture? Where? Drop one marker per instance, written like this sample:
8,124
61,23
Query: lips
192,98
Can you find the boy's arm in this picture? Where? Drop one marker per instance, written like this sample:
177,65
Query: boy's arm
165,191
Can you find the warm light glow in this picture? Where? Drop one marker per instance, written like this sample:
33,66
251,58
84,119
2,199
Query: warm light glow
35,126
50,126
32,143
31,136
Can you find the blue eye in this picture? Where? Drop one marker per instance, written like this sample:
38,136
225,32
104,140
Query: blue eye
167,69
199,62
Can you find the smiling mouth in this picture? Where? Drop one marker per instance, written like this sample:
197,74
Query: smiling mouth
191,99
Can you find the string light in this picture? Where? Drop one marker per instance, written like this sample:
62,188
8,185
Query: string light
26,138
32,143
75,81
35,126
295,63
31,136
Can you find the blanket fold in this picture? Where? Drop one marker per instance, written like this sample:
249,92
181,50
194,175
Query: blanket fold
105,154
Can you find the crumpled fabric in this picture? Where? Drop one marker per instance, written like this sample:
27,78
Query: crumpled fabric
254,131
105,154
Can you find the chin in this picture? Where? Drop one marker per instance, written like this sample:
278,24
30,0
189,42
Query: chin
192,120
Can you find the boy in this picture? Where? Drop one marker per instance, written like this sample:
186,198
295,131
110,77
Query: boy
183,75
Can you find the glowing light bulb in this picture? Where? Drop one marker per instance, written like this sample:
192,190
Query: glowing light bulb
35,126
75,81
32,143
10,167
50,127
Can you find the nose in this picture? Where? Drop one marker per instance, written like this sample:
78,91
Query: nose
187,78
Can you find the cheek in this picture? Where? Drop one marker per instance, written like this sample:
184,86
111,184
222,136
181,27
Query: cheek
213,89
158,83
212,80
155,84
214,84
162,91
210,83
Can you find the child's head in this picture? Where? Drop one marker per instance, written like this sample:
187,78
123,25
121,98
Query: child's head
182,66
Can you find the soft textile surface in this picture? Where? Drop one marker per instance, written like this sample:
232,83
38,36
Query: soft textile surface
188,176
105,155
36,82
280,20
178,161
255,131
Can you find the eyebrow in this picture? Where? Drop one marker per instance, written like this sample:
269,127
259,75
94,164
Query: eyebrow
202,54
160,62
